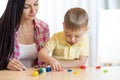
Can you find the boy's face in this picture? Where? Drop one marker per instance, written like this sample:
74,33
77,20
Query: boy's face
74,36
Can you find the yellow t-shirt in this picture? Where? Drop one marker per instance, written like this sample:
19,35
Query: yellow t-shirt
62,50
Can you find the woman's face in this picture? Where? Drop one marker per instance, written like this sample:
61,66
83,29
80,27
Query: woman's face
30,9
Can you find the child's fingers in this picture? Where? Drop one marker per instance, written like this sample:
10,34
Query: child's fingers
56,66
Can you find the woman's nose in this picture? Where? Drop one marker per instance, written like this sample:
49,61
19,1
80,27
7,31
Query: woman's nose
32,10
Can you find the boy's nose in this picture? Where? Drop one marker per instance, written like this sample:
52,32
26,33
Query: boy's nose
72,40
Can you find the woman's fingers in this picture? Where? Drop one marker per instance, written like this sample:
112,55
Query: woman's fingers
14,67
19,64
14,64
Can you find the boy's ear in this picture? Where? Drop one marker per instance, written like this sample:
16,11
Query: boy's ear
63,25
86,29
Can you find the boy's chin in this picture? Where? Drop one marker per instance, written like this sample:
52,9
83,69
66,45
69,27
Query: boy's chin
71,43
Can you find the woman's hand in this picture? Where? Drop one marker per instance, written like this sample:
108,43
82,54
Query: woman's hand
15,65
55,65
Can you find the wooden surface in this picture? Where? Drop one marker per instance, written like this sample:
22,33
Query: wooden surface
90,73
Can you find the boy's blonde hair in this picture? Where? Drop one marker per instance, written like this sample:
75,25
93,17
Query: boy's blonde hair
76,18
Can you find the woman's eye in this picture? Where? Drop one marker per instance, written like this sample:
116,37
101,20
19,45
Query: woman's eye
36,4
26,6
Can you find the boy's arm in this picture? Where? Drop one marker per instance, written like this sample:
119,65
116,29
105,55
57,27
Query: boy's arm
45,57
74,63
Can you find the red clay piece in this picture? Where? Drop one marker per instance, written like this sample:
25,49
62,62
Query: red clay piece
82,67
98,67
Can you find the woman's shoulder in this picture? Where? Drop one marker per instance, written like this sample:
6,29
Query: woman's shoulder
40,23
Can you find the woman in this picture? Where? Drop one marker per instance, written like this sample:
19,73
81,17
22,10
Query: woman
21,35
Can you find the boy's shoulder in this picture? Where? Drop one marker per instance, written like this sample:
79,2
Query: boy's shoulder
59,35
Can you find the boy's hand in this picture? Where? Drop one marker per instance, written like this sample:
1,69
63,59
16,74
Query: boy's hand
15,65
55,65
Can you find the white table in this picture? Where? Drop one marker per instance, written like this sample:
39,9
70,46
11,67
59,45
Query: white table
90,73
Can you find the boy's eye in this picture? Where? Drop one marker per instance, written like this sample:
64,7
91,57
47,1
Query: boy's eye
77,36
67,35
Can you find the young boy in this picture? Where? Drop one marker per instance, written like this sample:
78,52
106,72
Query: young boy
70,48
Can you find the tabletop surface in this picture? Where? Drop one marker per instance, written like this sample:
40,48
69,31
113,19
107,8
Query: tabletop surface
90,73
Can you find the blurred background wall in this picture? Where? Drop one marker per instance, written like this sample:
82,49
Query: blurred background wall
103,25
